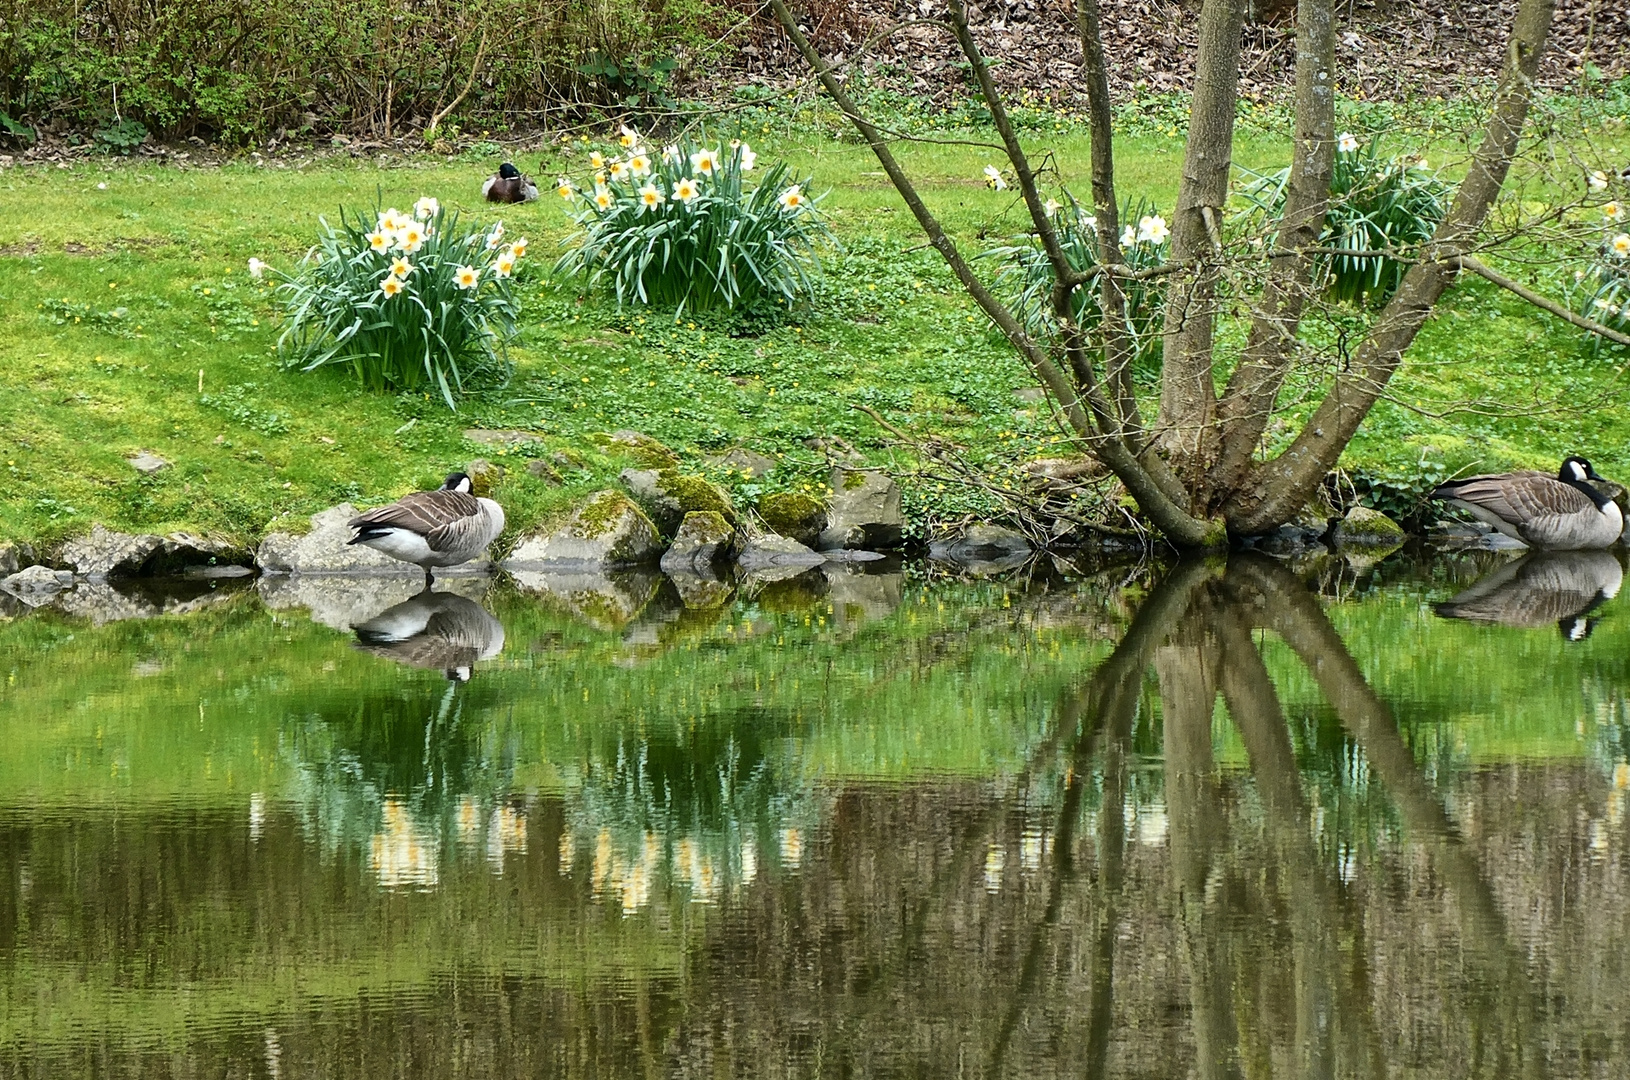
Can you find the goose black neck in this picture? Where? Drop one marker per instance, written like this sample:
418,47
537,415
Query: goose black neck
1591,491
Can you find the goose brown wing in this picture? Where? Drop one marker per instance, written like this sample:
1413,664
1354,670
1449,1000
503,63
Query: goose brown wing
1521,497
422,512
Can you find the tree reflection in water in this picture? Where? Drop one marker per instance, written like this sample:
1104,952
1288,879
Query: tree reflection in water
1195,872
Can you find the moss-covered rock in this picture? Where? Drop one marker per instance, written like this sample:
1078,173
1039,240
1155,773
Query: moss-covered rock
648,452
668,495
864,511
1368,531
702,539
607,530
795,515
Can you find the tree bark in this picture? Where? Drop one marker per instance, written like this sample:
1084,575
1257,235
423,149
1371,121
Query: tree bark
1188,396
1270,350
1105,208
1279,489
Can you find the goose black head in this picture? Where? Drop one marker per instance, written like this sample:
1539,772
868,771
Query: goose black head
1576,627
1577,468
458,482
507,171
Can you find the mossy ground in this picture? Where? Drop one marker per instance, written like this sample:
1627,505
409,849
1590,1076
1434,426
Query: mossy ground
128,322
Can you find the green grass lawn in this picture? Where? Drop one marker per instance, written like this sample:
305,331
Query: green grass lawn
128,322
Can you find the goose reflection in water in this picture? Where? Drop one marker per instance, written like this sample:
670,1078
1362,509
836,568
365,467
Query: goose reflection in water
434,630
1559,588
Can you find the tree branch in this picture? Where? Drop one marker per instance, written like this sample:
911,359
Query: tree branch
1544,303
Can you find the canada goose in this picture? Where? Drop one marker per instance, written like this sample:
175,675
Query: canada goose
444,527
1541,588
1560,513
434,630
509,186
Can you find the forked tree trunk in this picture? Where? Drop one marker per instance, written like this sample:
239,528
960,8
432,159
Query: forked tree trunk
1193,473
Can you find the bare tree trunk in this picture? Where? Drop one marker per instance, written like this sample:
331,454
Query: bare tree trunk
1270,351
1188,396
1100,124
1278,489
1194,811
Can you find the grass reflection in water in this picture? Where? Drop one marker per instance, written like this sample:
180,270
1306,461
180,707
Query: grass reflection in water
1204,820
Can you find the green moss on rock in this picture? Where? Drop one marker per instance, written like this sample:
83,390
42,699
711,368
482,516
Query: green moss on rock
694,493
793,514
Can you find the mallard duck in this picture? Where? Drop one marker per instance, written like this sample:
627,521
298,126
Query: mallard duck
434,630
1540,589
507,185
1565,512
443,527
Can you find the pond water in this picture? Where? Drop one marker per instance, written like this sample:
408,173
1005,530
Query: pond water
1215,819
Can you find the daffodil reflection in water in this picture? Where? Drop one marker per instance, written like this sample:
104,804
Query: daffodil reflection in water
402,855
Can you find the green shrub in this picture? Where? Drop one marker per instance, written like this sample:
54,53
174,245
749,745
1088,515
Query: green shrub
685,228
251,69
1377,204
411,302
1026,278
1602,292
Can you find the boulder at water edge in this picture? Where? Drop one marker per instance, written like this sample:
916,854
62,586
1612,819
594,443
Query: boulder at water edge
606,531
795,515
667,496
703,538
864,511
324,550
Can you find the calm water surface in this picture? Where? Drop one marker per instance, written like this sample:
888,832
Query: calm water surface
1212,820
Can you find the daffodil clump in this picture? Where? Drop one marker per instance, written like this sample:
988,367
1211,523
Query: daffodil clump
1602,292
692,226
1026,278
410,301
1380,207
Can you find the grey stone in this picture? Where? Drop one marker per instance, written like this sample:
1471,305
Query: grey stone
741,459
484,475
508,439
649,452
764,552
11,558
337,600
858,597
544,471
102,603
1366,530
667,495
106,553
864,511
37,585
324,550
147,463
1030,395
983,549
700,590
186,552
794,514
702,539
608,530
605,599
